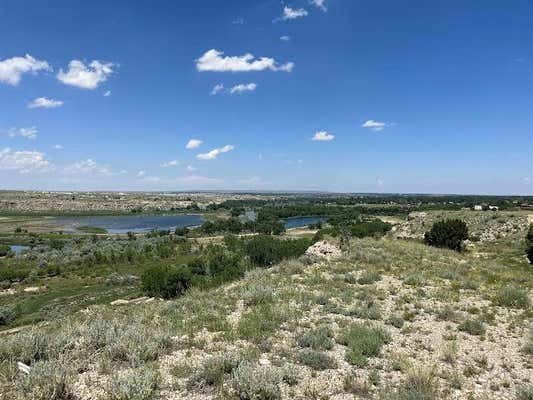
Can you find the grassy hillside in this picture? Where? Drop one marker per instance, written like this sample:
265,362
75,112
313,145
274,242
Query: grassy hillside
388,320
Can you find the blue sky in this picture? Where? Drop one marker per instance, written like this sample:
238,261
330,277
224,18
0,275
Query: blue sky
337,95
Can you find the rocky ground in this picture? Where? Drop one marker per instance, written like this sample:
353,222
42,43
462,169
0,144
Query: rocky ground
386,320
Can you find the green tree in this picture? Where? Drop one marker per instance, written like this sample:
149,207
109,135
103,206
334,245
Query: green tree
449,233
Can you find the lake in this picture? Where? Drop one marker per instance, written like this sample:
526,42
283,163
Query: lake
299,222
131,223
17,249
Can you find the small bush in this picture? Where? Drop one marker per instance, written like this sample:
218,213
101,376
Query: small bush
472,326
256,382
363,342
369,277
316,359
4,250
449,233
396,321
512,296
213,370
419,385
133,384
47,380
317,339
528,345
525,393
7,315
257,294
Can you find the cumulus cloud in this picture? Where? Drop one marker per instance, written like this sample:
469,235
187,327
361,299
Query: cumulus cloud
107,93
292,13
217,88
28,133
214,60
375,125
241,88
86,76
252,181
211,155
88,167
57,147
168,164
44,102
320,4
24,162
285,38
193,144
12,69
191,168
141,173
323,136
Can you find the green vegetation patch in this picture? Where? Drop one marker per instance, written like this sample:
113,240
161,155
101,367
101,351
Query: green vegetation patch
363,342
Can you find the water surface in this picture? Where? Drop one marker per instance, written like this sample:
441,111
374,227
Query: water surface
299,222
132,223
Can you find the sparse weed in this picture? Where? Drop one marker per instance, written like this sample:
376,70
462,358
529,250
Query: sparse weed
133,384
317,339
316,359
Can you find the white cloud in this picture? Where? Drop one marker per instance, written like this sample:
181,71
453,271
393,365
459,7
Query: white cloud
191,168
44,102
213,60
88,167
215,152
217,88
241,88
24,162
527,180
107,93
375,125
292,13
57,147
323,136
320,4
28,133
86,76
238,21
141,173
12,69
285,38
193,144
168,164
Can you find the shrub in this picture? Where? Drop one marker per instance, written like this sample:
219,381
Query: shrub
369,277
512,296
316,359
419,385
375,227
133,384
166,282
4,250
47,380
472,326
363,342
266,250
528,345
525,393
6,315
449,233
317,339
213,370
256,382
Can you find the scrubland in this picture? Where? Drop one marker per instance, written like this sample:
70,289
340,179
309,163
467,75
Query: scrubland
389,319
